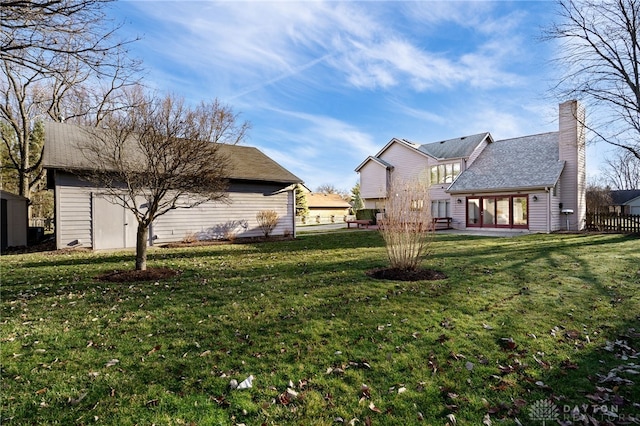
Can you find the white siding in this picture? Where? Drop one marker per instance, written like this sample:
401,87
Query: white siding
212,220
409,164
373,181
572,151
73,211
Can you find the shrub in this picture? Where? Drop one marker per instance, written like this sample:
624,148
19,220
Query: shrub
267,221
406,227
367,214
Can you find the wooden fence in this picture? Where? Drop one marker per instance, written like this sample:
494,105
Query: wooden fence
613,222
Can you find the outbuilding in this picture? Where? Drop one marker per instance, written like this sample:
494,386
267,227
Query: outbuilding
14,220
84,217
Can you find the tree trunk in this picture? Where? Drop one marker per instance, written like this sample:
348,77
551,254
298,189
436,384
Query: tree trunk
142,235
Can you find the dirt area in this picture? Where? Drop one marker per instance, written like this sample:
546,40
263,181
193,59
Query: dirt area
396,274
151,274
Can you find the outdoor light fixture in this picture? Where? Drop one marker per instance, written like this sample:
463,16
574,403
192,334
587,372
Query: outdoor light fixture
535,198
459,201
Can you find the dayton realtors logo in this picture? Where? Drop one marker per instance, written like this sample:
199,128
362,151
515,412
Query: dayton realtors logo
544,411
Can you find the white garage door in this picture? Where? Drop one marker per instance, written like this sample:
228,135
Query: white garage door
113,225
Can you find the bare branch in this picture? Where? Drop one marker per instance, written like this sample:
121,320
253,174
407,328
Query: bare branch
598,57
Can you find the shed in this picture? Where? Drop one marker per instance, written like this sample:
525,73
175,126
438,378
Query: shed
85,217
14,219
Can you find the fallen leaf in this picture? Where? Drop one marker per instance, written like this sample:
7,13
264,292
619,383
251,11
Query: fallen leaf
41,391
156,348
373,408
112,362
487,420
452,419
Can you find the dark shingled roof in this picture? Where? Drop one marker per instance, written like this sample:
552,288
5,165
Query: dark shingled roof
246,163
513,164
619,197
453,148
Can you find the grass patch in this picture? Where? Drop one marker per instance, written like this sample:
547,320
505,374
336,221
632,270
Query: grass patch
516,320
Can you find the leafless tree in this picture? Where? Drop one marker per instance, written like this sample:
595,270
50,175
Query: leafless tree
407,226
622,171
162,156
599,54
61,61
328,188
598,199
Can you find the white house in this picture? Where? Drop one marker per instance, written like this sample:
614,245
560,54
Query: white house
532,183
86,217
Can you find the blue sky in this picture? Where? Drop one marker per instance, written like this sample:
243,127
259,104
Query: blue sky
325,84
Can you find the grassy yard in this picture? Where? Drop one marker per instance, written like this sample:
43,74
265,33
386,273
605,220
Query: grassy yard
517,321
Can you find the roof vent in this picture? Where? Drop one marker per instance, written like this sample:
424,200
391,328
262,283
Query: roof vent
463,138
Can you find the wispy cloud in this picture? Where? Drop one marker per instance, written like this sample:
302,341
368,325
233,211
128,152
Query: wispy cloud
246,45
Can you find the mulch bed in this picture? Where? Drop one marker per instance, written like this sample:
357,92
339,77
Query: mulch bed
151,274
396,274
244,240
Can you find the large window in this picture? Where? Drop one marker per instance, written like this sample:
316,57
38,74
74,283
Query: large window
508,211
440,208
445,173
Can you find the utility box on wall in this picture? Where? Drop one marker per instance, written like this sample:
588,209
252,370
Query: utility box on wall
13,220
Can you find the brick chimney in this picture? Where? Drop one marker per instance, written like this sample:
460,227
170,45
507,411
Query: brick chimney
572,152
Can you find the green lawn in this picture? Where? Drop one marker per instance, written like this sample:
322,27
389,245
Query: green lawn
303,314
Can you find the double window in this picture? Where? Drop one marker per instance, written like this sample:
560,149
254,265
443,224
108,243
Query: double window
505,211
444,173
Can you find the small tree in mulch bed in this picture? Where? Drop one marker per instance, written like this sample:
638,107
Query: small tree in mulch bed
407,231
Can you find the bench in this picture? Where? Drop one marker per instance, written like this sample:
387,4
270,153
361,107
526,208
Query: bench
436,223
439,221
359,223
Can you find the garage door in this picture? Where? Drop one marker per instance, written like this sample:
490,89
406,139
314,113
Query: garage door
113,225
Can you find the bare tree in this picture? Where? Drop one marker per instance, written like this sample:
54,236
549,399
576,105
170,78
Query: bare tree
598,199
599,61
622,171
328,188
162,156
407,226
61,62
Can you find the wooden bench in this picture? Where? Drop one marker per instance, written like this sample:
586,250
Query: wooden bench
439,221
359,223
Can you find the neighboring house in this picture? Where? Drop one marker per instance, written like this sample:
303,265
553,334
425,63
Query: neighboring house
625,201
326,207
532,183
14,218
85,216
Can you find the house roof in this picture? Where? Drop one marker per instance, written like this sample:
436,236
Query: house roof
5,195
380,161
621,197
322,200
454,148
246,163
461,147
513,164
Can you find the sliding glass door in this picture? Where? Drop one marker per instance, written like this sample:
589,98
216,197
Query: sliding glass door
505,211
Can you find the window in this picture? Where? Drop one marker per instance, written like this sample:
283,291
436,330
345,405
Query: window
417,205
508,211
440,208
445,173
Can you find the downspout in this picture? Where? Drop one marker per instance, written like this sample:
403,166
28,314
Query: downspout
294,211
548,209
